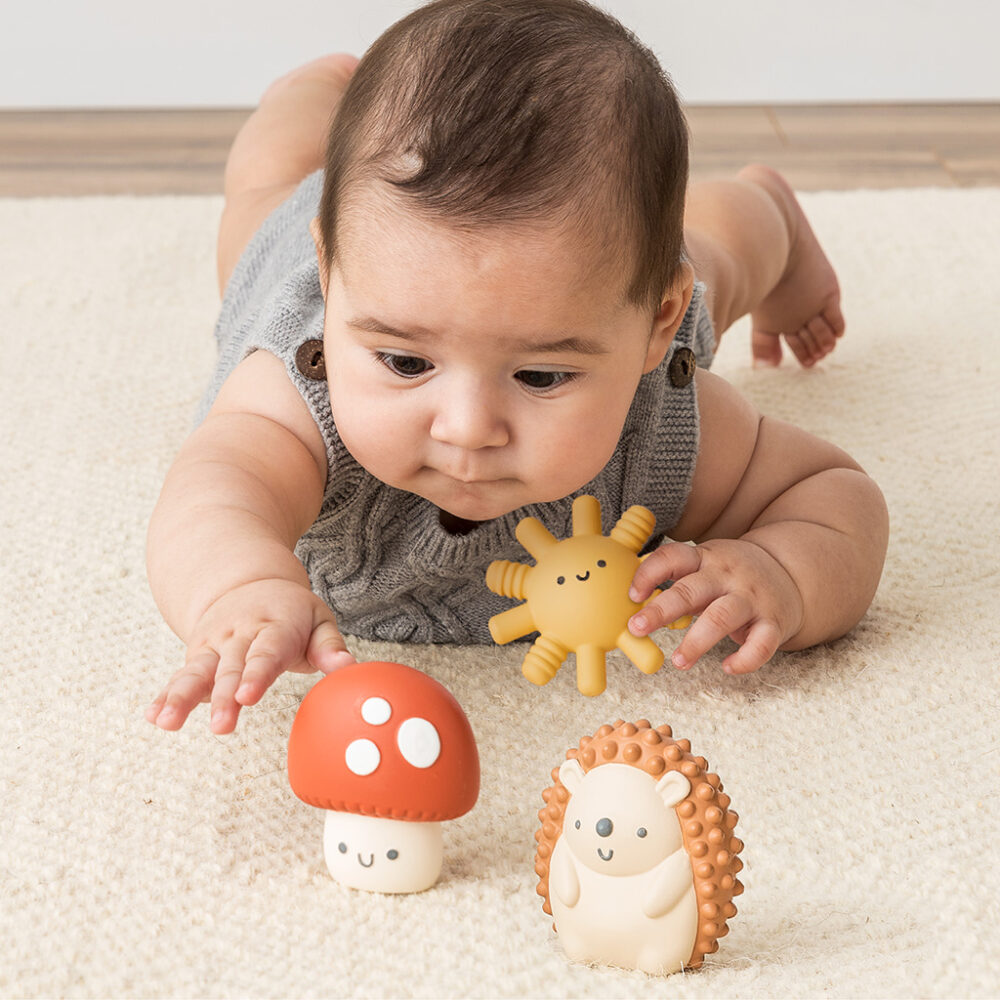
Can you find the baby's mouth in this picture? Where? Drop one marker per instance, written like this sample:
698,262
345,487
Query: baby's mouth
603,856
371,861
584,578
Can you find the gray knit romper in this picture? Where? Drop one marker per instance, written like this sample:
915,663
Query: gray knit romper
380,556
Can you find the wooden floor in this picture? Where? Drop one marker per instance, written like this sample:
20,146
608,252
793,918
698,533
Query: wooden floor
818,147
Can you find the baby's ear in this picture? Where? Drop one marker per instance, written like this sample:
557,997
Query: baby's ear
668,319
324,274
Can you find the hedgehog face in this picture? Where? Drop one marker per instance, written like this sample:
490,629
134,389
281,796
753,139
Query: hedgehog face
618,820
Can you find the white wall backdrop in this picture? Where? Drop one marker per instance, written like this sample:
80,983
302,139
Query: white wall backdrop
205,53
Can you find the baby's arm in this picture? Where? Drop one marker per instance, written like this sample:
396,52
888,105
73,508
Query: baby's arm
791,539
242,490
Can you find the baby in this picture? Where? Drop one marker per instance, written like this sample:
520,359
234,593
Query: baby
493,292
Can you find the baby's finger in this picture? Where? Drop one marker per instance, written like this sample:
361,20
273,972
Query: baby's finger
225,707
190,686
327,650
156,706
687,596
719,619
668,562
761,643
275,649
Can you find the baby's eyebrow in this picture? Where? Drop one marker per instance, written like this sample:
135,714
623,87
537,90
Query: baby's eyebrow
371,325
563,345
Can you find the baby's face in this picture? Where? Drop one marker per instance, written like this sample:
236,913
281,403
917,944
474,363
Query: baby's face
482,372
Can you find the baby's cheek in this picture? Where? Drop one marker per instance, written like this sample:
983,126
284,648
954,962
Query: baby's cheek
576,455
370,433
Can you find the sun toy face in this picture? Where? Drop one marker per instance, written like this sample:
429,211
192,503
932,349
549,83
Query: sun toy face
576,595
580,587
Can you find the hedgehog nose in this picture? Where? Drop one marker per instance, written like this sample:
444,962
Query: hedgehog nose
604,827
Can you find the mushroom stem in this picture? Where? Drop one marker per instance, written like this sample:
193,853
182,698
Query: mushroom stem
382,855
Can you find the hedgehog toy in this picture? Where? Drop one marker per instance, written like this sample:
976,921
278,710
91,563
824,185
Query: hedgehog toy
576,595
637,861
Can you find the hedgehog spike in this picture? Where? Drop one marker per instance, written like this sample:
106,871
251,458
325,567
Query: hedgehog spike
586,516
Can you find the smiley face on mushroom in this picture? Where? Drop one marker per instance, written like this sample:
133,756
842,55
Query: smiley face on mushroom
389,753
392,854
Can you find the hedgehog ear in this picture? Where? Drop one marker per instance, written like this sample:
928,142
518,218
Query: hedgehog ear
571,774
673,787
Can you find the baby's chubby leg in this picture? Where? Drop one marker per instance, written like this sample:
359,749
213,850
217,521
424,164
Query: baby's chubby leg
752,244
282,142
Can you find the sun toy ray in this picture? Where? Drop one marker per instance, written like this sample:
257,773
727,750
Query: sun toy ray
576,596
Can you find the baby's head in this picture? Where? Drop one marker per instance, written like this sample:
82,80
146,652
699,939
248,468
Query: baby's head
500,240
483,113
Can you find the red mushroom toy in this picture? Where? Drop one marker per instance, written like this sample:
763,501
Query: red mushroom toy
389,753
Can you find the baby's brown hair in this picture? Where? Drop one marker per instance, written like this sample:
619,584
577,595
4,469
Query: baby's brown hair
483,113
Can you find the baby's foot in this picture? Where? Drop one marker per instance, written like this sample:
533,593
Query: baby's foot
804,306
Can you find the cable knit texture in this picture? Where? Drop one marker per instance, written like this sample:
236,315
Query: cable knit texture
379,556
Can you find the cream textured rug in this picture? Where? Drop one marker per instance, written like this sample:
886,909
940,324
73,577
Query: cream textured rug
135,862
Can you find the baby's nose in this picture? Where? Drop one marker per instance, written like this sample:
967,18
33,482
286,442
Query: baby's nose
604,827
468,417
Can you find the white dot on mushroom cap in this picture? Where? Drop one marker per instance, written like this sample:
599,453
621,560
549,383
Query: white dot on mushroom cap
362,757
376,711
419,742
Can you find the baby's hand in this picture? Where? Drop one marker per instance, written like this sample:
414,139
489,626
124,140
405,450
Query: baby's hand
242,643
734,586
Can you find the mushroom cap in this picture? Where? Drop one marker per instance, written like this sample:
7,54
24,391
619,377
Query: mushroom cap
383,739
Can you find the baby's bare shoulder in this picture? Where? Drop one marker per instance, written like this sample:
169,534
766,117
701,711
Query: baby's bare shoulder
745,462
259,386
727,434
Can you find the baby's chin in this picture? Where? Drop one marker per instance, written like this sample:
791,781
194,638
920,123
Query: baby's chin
479,502
478,510
473,513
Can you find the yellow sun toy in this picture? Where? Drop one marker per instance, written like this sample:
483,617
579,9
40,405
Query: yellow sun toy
576,596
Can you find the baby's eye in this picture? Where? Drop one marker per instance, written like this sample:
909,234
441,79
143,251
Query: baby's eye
392,854
404,365
342,847
542,381
641,832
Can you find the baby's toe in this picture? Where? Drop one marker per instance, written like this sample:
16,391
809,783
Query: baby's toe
834,316
823,335
766,348
802,346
